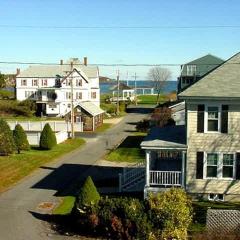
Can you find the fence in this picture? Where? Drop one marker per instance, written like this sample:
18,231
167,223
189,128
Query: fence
34,137
38,126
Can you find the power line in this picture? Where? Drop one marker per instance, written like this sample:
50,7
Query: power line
122,27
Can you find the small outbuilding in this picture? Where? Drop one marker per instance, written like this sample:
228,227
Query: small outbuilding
125,92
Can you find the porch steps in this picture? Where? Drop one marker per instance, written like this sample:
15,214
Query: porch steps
133,178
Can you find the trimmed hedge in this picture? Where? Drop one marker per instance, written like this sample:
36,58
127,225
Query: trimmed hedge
20,138
47,138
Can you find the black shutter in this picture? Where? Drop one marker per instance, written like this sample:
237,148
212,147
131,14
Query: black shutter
199,167
238,165
224,119
200,119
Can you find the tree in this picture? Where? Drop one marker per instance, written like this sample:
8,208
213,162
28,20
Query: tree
88,194
162,116
20,138
159,76
47,138
2,80
6,139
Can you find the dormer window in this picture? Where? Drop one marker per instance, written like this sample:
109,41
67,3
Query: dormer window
191,70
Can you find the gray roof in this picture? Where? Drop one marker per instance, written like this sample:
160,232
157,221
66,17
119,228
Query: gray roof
122,86
91,108
222,82
171,137
61,70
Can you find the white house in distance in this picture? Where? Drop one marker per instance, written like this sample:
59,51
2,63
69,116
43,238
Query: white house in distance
50,87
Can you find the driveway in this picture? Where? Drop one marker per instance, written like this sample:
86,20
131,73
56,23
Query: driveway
36,194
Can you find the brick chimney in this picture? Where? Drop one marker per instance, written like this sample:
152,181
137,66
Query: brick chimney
85,61
61,62
17,71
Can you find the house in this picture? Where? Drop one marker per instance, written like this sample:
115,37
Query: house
51,86
125,92
202,156
196,69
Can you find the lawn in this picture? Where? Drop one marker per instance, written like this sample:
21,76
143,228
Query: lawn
16,166
149,99
65,207
128,151
103,127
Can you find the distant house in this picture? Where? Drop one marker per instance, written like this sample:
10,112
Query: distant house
51,87
125,92
202,156
196,69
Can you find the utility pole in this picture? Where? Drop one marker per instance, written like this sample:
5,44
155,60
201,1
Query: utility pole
72,106
117,92
127,78
135,87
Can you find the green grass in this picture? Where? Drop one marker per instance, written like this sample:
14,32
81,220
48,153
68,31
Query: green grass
103,127
65,207
16,166
128,151
150,99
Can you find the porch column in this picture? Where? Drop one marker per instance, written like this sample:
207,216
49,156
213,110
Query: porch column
147,168
183,168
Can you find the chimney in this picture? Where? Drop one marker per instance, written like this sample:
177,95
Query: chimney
17,71
85,61
61,62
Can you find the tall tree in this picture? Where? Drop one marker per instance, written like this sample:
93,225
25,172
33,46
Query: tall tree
159,76
2,80
20,138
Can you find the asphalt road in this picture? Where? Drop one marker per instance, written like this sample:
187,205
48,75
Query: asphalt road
22,208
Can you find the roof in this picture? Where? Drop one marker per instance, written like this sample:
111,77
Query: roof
170,137
91,108
222,82
204,64
122,86
53,70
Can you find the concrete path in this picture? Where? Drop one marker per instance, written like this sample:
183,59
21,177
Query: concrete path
36,194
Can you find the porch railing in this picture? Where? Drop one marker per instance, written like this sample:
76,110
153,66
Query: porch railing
166,178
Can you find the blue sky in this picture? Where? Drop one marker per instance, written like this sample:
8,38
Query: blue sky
118,45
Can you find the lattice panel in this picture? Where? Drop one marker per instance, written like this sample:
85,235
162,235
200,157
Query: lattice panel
225,221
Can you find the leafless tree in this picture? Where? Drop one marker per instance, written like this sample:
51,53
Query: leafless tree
159,76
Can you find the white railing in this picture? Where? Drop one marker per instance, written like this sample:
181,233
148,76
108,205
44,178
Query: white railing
132,174
166,178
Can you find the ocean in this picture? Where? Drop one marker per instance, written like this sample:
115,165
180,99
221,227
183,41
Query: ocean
169,86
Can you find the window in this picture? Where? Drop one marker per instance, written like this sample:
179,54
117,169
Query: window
23,82
191,70
34,82
29,94
68,95
215,197
44,82
68,82
78,95
228,161
212,165
93,95
79,82
213,119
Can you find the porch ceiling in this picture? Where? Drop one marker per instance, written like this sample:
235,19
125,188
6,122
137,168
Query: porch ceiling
171,137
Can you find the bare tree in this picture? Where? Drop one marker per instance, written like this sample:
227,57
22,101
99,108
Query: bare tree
159,76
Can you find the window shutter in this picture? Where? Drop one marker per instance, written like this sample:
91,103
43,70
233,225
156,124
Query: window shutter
200,119
199,167
238,165
224,119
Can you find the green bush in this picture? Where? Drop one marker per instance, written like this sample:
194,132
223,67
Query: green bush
47,138
88,194
29,104
6,139
143,126
20,138
171,213
5,94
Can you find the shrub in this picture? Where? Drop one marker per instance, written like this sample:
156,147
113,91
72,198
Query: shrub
5,94
20,138
143,126
6,139
47,138
161,116
88,194
171,212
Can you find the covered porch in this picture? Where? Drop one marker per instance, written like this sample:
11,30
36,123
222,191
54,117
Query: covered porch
165,158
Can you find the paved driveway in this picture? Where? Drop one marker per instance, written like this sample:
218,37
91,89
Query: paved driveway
34,195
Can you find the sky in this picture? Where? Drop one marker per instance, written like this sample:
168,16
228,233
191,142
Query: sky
117,45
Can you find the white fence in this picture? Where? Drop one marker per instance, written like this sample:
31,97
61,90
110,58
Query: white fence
38,126
34,137
167,178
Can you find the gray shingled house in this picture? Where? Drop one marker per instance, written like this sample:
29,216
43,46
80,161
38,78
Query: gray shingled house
204,155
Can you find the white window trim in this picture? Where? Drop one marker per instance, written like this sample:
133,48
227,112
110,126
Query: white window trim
206,117
219,166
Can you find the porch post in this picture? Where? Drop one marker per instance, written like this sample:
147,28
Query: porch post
147,168
183,168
